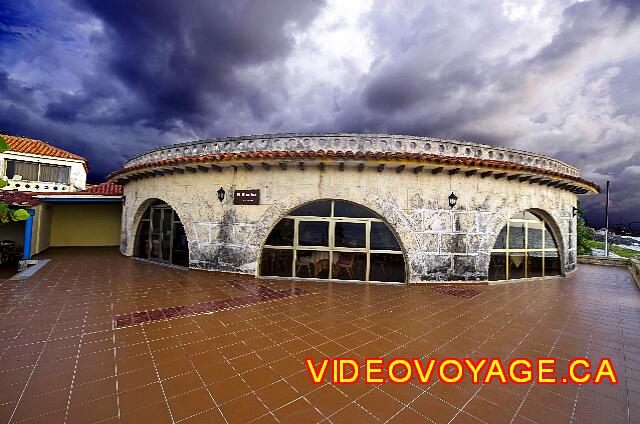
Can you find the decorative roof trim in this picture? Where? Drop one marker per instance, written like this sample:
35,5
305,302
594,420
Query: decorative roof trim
417,158
18,144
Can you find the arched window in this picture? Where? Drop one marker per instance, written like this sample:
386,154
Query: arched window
333,240
161,236
525,248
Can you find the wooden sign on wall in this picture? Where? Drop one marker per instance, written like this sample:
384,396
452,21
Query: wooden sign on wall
246,197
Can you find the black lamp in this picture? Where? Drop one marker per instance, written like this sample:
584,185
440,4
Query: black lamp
221,194
452,199
575,211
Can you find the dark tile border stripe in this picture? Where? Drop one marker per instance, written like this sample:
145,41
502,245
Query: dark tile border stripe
256,293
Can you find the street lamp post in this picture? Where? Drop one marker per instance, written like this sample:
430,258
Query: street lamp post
606,224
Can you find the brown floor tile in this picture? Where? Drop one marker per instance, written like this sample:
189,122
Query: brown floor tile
352,413
487,411
181,384
191,403
433,408
277,394
243,409
380,405
140,377
563,318
140,396
328,399
155,413
298,411
228,389
30,407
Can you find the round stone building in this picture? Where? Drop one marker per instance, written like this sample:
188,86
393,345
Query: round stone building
352,207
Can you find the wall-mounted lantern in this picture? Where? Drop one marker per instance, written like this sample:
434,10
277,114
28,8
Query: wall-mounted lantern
453,199
221,194
575,211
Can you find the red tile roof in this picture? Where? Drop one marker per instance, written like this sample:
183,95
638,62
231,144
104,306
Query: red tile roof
38,147
18,198
105,189
418,158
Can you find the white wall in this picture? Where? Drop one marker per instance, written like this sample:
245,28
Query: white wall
441,243
77,176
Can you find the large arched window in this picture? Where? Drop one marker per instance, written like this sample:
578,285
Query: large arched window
161,236
333,240
525,248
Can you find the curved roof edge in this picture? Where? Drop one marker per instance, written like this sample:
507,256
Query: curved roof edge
416,159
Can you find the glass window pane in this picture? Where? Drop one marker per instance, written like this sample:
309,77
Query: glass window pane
180,254
276,262
498,266
501,241
382,238
143,240
27,170
167,223
312,264
551,263
349,266
349,234
516,265
10,170
534,264
386,267
516,235
313,233
63,175
282,234
319,208
50,173
351,210
535,235
549,241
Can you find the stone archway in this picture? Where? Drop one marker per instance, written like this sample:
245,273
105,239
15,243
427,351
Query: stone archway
372,253
157,219
502,220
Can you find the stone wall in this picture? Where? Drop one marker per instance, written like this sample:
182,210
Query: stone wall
440,243
353,142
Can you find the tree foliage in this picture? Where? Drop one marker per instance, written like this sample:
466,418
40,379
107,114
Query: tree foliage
7,214
585,234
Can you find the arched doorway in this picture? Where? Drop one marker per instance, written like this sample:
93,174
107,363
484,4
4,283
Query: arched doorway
333,240
525,248
161,236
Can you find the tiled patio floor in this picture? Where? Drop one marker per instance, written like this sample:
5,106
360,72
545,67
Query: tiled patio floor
62,360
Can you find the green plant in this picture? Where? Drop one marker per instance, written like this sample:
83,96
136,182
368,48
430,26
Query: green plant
585,234
10,252
4,146
8,215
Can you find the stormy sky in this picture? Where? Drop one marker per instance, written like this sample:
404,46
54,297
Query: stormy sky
109,79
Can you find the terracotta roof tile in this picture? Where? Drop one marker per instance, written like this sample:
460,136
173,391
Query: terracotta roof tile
330,154
103,189
106,189
38,147
18,198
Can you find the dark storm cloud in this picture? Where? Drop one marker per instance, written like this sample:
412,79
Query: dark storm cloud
108,79
180,59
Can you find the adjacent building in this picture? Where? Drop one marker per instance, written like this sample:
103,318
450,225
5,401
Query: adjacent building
353,207
50,183
35,166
